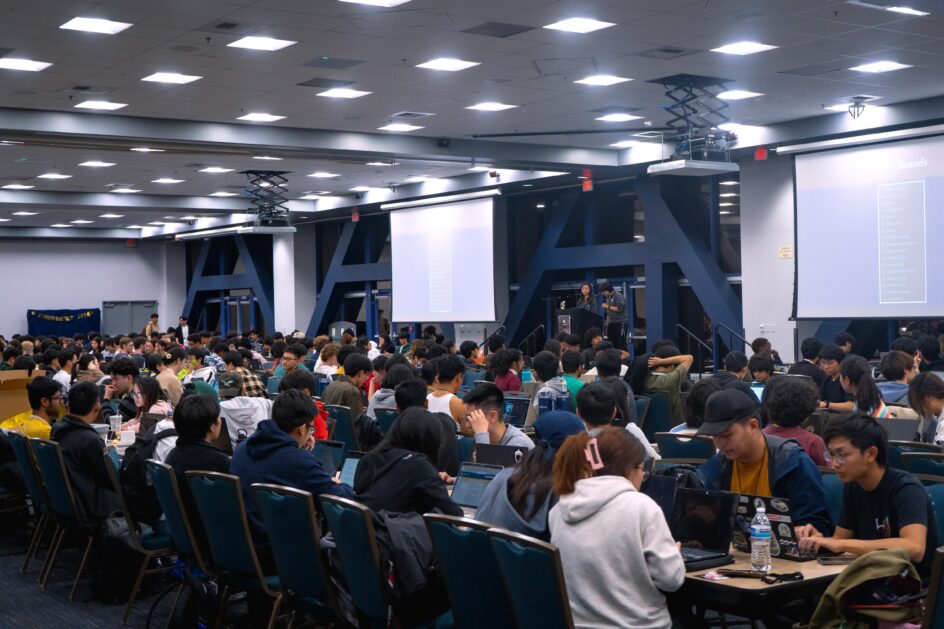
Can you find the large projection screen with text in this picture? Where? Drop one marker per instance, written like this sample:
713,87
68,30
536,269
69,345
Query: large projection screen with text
443,263
868,220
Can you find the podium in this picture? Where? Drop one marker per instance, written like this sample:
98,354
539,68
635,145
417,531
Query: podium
577,320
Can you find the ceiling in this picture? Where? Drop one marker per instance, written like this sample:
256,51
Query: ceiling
376,50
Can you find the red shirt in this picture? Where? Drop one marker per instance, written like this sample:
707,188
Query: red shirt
812,443
508,382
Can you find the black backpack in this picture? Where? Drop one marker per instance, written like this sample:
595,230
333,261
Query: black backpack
139,495
687,475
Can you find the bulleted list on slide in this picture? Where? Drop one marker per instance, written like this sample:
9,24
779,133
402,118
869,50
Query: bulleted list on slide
902,251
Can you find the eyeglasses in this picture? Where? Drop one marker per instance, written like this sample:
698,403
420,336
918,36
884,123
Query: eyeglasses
289,359
311,429
839,458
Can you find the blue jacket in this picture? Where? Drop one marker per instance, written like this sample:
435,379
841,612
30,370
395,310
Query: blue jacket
793,476
270,455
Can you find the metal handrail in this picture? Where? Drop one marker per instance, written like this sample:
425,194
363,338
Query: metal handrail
500,328
529,338
700,344
732,334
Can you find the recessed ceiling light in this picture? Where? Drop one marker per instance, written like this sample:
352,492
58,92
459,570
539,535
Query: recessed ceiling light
726,204
310,197
171,218
361,189
738,95
491,106
145,149
324,175
172,77
539,206
377,3
80,221
724,212
103,105
222,193
417,179
602,79
25,213
111,216
265,184
27,65
324,192
97,164
267,158
907,11
189,218
382,164
258,117
447,64
53,176
618,118
125,190
399,126
167,180
157,223
743,48
216,170
343,92
728,194
261,43
60,225
624,144
579,25
134,227
730,183
479,169
17,186
880,66
4,220
95,25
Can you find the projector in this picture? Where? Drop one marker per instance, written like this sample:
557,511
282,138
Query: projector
692,168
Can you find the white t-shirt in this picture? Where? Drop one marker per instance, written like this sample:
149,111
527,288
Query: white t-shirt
64,379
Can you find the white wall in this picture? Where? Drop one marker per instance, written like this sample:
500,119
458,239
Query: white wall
767,224
305,280
54,274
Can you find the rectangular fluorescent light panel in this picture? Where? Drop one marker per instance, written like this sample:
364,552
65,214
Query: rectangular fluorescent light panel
60,225
880,66
491,106
216,170
624,144
907,11
28,65
54,176
602,80
25,213
167,180
378,3
259,117
95,25
324,175
579,25
80,221
343,92
268,158
172,77
743,48
97,164
618,118
125,190
310,197
261,43
111,216
224,194
400,126
738,95
145,149
102,105
17,186
447,64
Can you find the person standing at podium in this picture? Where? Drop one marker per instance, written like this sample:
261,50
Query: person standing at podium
586,300
616,315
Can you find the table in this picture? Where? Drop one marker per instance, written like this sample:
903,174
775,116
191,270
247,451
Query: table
752,598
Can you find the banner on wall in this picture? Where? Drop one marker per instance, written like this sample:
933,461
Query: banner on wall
63,322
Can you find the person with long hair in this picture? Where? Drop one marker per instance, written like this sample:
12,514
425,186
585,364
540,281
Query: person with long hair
926,397
619,583
855,374
587,299
172,363
507,366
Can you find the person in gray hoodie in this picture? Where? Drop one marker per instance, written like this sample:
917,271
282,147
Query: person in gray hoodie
519,498
485,407
619,583
544,368
383,398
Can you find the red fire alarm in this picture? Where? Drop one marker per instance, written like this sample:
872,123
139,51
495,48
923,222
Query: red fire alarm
587,185
355,216
760,154
131,243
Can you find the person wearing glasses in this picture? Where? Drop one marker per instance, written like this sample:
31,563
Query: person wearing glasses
882,507
45,398
292,359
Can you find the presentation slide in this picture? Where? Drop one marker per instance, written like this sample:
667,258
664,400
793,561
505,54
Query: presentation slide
443,263
863,219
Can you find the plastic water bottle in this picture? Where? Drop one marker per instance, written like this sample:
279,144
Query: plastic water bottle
545,403
760,541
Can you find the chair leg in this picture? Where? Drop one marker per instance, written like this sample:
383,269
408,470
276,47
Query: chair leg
78,575
224,596
134,589
275,611
51,556
173,607
34,542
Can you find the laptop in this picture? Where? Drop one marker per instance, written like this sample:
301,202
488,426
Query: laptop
349,467
525,375
330,453
504,456
149,420
470,485
783,540
661,489
516,411
758,390
703,521
899,429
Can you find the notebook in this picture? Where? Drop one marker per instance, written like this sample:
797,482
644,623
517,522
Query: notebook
703,521
504,456
349,467
470,484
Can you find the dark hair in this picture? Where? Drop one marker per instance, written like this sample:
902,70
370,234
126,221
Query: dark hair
619,452
123,367
532,481
862,431
596,403
415,430
449,367
504,360
761,362
925,385
85,360
436,350
859,373
697,398
895,365
735,362
25,362
292,409
553,346
295,348
544,365
233,358
197,352
397,375
151,392
608,363
487,397
905,344
789,401
467,348
278,348
571,361
410,393
420,352
41,388
844,337
832,352
589,334
929,346
429,371
172,355
606,287
666,351
602,346
403,334
379,363
300,380
572,339
495,343
139,341
194,416
356,363
220,347
810,348
758,344
10,352
82,398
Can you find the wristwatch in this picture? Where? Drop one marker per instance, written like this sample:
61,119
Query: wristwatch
827,403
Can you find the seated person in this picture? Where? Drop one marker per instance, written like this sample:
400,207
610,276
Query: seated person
668,369
401,474
507,365
845,341
597,408
384,397
788,403
760,345
809,350
45,399
471,354
279,453
519,498
544,371
750,462
609,369
735,370
882,507
83,453
252,384
832,395
695,405
171,363
292,358
898,369
761,367
485,406
450,371
327,363
240,414
346,390
117,399
926,397
572,368
855,375
619,583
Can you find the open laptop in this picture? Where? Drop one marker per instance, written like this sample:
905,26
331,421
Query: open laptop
899,429
783,540
758,390
516,411
470,485
661,489
330,453
703,521
505,456
349,467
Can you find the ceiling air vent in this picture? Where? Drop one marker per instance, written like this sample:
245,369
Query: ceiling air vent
667,52
326,83
410,115
498,29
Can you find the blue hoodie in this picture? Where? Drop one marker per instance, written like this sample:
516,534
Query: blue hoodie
271,455
793,476
893,392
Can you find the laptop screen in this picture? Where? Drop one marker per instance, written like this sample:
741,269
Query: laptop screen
516,411
899,429
662,490
758,390
349,467
330,454
471,482
704,519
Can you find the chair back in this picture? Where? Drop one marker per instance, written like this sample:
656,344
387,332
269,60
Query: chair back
385,419
116,485
353,531
52,471
272,385
642,409
680,446
936,494
833,487
896,449
466,556
290,521
219,500
466,444
26,464
923,463
534,579
471,377
164,481
659,416
934,610
343,426
114,459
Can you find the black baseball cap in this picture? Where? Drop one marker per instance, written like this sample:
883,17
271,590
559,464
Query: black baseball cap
723,408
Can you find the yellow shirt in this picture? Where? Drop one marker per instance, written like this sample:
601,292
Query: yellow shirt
751,479
29,425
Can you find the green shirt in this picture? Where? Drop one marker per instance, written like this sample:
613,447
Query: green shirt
574,384
671,384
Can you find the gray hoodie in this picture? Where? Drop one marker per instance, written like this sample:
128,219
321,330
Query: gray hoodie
496,509
556,386
244,413
616,582
382,400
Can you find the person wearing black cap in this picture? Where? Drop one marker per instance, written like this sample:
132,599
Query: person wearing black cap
751,462
735,368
